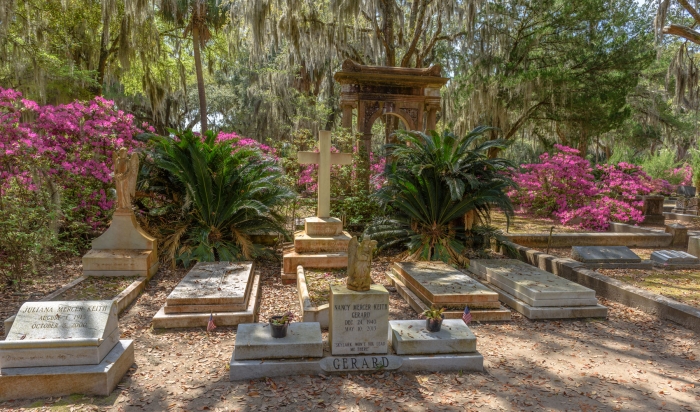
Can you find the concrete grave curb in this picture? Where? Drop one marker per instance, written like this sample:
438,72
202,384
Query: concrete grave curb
612,289
123,299
309,312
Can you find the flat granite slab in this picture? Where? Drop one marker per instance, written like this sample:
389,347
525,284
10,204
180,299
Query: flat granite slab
529,283
255,369
604,254
255,341
443,285
42,382
541,313
409,337
673,257
189,320
213,283
417,303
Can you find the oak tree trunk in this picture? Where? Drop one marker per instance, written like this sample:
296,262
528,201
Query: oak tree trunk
200,79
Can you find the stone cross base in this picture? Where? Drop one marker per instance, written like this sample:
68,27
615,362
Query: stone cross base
322,244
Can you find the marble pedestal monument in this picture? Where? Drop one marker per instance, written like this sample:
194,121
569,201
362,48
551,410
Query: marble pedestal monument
124,249
322,243
63,347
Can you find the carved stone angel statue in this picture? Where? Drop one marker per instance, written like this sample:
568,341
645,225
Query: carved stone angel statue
359,264
126,170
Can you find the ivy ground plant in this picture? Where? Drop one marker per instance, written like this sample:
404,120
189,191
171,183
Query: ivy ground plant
208,196
435,180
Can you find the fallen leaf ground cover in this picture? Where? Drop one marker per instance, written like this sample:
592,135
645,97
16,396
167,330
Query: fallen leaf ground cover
631,361
97,288
680,285
521,223
318,283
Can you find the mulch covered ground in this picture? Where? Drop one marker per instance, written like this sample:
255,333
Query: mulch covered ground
631,361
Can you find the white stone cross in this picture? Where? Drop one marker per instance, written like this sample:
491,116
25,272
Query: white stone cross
324,159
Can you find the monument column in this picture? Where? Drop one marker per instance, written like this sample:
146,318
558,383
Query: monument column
347,114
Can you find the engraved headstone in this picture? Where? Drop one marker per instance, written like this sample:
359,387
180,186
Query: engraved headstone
674,257
604,254
359,321
60,334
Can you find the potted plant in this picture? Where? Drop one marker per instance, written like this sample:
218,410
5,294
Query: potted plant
278,324
433,319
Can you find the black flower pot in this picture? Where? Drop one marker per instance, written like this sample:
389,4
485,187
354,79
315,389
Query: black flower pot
434,325
278,331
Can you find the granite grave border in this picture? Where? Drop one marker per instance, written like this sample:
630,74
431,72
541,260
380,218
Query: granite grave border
123,299
309,312
613,289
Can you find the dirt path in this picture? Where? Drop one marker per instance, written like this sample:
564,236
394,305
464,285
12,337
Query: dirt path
631,362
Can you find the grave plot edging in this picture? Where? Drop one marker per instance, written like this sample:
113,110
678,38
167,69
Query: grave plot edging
123,299
647,239
309,312
613,289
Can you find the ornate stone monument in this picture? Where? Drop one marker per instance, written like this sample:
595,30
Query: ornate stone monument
359,264
124,249
322,243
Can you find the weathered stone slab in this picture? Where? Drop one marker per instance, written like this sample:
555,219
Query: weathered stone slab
189,320
679,233
203,308
694,246
529,282
359,321
673,257
409,337
120,262
60,333
688,191
321,260
417,303
360,363
254,341
443,285
304,243
53,381
323,226
553,312
213,283
604,254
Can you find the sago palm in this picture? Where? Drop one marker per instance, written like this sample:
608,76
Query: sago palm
218,195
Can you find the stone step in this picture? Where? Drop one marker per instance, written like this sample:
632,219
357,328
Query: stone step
313,260
323,226
305,243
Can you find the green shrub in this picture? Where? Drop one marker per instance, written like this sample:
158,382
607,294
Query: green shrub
26,236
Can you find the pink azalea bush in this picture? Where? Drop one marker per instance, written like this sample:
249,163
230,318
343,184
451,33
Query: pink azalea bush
565,186
67,147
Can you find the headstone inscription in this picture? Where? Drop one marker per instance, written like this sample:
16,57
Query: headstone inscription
359,321
60,334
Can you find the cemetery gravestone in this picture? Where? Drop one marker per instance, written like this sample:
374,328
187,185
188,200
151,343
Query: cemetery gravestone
535,293
61,348
228,290
604,254
687,191
673,257
359,321
60,333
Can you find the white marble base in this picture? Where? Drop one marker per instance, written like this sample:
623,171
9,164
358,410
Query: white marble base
43,382
255,341
409,337
255,369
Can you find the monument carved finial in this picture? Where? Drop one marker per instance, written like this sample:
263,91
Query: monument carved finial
359,264
126,170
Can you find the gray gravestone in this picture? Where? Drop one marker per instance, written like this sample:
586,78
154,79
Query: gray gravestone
688,191
674,257
409,337
604,254
359,321
254,341
60,334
